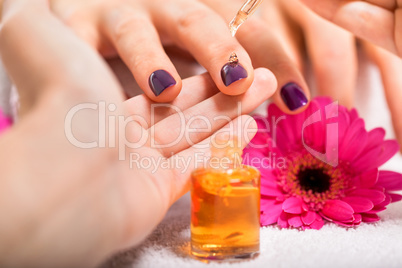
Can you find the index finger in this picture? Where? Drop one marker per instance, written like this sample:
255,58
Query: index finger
206,35
260,90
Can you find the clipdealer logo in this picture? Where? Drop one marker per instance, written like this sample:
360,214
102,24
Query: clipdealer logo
136,131
330,156
110,125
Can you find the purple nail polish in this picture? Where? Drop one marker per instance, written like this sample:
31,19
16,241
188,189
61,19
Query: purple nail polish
232,72
293,96
159,81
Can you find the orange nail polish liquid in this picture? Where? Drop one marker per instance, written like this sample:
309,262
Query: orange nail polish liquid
225,208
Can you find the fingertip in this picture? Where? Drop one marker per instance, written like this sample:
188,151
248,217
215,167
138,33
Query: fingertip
237,73
252,129
235,78
163,87
293,96
266,79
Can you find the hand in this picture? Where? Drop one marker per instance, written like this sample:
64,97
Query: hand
67,206
277,36
333,53
377,21
271,44
136,30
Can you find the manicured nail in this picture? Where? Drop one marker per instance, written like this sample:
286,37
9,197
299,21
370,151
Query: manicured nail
232,71
159,81
293,96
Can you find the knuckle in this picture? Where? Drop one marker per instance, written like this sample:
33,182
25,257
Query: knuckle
125,25
137,60
190,16
284,64
333,54
138,53
216,48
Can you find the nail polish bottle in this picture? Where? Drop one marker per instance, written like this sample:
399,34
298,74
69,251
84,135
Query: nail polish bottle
225,207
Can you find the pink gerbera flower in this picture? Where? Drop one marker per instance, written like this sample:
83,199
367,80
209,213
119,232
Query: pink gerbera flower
321,165
5,122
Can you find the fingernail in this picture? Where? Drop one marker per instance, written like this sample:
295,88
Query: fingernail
159,81
232,72
293,96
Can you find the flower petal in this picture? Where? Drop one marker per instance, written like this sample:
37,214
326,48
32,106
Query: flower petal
370,217
354,115
374,195
376,156
270,216
354,141
358,219
293,205
286,129
338,210
391,181
251,153
308,217
395,197
318,223
359,204
295,221
381,206
267,174
345,224
323,101
260,142
375,210
283,220
343,122
267,203
375,138
366,180
269,188
314,134
273,110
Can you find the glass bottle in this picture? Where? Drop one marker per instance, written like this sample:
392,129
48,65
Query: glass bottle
225,207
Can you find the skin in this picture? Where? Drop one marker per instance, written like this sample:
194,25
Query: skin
379,23
200,28
137,30
331,50
90,204
272,50
43,210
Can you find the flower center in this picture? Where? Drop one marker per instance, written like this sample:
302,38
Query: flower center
314,179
